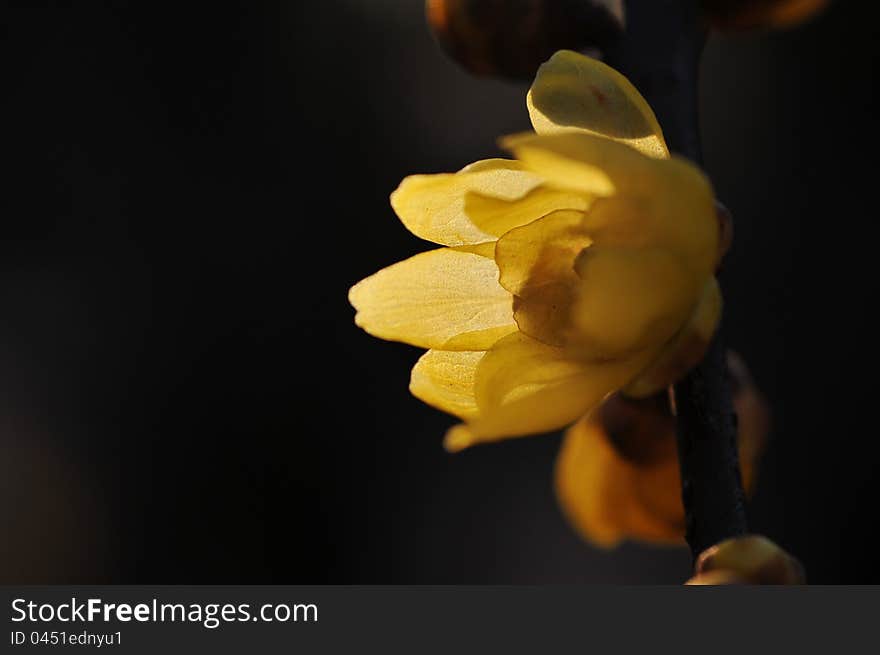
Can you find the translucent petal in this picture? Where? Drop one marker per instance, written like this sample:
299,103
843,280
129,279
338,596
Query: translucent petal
536,263
686,349
445,298
630,300
655,202
495,216
541,252
525,387
433,206
607,498
445,379
582,162
684,226
575,92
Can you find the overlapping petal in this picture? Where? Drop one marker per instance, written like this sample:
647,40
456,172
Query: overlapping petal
433,206
496,216
445,379
442,298
523,386
666,203
536,264
629,300
607,498
574,161
686,349
572,92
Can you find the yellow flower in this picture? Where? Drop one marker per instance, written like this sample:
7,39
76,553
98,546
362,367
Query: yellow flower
584,266
617,474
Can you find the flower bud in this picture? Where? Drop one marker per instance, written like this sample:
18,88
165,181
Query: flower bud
753,558
512,38
748,14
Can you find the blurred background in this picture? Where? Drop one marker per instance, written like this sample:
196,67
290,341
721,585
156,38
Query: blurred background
184,397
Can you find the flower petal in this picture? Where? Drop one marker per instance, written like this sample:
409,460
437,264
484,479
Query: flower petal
630,300
608,499
541,252
670,197
433,206
582,162
575,92
496,216
445,298
525,387
685,350
445,379
536,262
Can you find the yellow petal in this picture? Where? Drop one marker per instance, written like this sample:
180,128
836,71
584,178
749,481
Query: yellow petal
482,249
629,300
683,225
536,262
496,216
443,298
678,217
541,252
590,164
576,162
626,484
575,92
607,498
445,379
525,387
433,206
685,350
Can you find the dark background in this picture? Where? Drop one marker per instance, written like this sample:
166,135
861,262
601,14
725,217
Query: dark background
184,397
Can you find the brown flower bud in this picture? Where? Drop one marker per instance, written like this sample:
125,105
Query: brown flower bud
748,14
754,558
511,38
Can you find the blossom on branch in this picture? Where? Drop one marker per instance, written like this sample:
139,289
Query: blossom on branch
582,267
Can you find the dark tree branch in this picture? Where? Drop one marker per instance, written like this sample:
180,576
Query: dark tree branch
660,54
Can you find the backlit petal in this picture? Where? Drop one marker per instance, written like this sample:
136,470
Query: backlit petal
433,206
671,197
607,498
563,163
629,300
575,92
445,379
443,298
525,387
495,216
686,349
536,262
